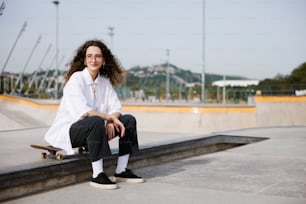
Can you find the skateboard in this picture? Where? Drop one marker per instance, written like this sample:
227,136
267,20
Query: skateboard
53,152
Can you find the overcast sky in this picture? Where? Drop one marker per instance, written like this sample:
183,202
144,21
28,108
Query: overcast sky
253,38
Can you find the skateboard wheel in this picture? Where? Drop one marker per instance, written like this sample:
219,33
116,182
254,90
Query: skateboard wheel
59,157
43,155
80,150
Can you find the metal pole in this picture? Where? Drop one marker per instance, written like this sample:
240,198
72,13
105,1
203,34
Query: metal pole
224,90
111,34
9,56
2,7
53,77
203,56
40,64
56,3
26,64
167,77
45,75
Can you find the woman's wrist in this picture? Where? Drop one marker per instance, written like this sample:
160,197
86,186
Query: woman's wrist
110,119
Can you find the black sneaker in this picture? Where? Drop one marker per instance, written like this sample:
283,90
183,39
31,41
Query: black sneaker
103,182
127,176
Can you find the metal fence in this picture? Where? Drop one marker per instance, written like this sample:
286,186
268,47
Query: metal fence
42,86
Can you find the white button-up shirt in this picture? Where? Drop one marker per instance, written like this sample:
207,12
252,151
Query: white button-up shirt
80,95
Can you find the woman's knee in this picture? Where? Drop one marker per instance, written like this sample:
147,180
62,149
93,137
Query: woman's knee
96,131
128,120
96,122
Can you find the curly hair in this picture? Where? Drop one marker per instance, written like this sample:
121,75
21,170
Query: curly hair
111,70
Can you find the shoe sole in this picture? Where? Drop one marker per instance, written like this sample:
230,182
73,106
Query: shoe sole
103,186
127,180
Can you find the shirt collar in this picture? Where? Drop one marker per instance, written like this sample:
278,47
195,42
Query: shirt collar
88,78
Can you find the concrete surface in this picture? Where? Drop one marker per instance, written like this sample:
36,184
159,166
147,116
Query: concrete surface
15,149
271,171
39,176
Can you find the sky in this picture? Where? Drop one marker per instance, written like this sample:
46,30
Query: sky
257,39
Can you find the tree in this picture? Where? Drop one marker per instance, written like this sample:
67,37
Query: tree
298,75
285,85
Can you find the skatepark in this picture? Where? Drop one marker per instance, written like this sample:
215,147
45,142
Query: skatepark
252,153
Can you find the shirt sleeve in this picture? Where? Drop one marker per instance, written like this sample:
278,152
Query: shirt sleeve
115,106
75,98
114,102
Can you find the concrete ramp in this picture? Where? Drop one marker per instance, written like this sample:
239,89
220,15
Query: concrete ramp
13,119
20,114
17,112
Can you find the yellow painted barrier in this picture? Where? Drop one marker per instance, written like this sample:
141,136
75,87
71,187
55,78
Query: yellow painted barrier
144,108
280,99
28,102
182,109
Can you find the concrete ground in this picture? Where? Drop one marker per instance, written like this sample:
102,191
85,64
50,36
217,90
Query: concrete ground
15,149
270,171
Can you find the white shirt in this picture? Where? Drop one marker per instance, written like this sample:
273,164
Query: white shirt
80,95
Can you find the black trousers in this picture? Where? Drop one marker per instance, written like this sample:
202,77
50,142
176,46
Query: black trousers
91,132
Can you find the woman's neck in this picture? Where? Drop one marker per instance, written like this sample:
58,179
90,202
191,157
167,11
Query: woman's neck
93,75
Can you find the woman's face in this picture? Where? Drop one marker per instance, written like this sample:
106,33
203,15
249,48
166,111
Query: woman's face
94,60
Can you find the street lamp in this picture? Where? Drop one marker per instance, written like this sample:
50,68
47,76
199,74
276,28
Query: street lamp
111,34
167,76
203,56
56,3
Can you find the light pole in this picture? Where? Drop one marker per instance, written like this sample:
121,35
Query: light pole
2,7
203,56
167,77
56,3
111,34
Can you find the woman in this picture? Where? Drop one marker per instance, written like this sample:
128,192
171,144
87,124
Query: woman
90,114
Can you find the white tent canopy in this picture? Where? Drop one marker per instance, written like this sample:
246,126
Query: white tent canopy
235,83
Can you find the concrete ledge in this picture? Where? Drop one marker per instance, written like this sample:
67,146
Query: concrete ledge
50,174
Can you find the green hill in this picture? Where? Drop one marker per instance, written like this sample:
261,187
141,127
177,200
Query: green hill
151,81
155,76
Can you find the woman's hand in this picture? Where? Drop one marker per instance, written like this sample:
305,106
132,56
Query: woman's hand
113,125
110,130
119,126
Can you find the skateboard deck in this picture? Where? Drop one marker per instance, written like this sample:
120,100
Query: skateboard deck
51,152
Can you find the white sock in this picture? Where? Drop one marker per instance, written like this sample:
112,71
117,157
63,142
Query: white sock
122,163
97,167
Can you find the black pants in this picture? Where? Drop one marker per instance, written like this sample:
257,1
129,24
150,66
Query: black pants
91,132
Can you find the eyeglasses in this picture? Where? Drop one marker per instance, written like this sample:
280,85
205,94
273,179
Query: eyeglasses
96,57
